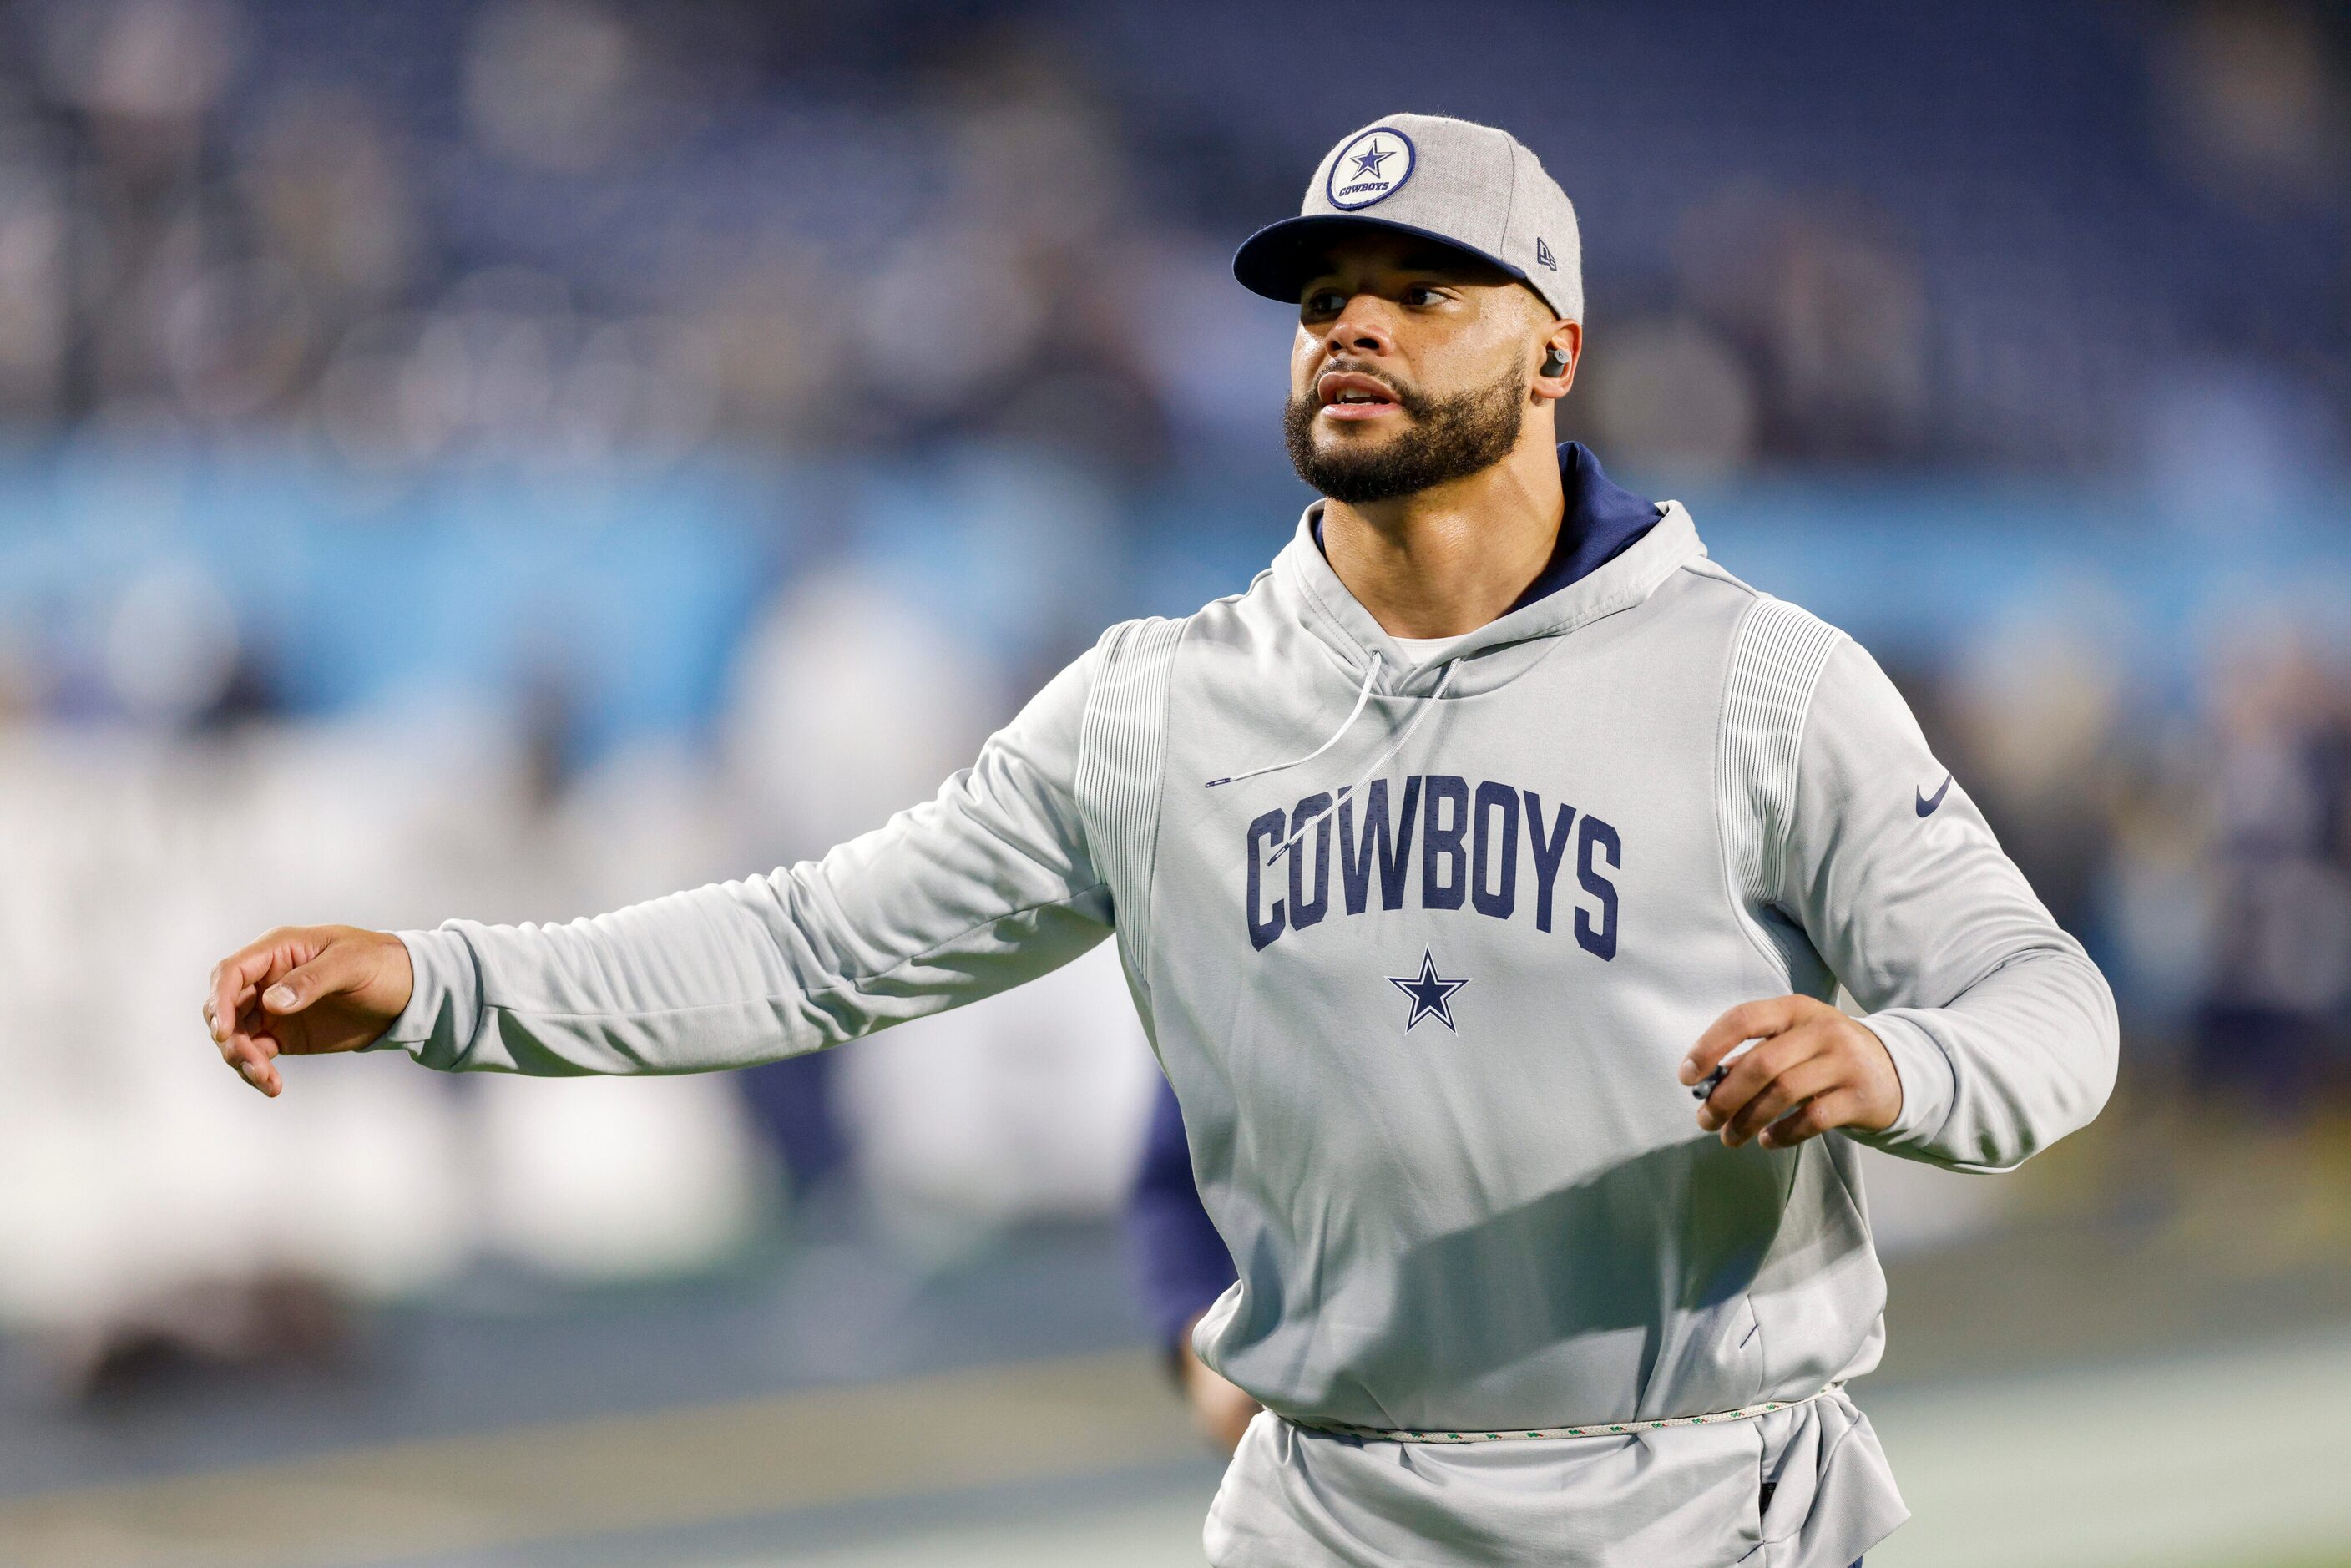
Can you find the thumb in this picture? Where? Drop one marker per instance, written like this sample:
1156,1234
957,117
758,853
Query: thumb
334,970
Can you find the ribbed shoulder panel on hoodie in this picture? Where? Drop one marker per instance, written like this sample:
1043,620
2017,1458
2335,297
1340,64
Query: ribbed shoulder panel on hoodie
1777,653
1121,761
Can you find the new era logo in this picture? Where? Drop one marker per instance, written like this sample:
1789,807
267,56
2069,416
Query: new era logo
1542,254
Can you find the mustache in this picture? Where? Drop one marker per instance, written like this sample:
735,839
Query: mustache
1412,400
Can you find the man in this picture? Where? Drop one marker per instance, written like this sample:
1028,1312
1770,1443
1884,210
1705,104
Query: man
1443,863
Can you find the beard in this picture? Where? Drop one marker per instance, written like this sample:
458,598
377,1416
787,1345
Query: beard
1450,438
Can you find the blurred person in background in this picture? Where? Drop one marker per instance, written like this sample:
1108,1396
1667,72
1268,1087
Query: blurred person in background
134,1261
2269,1030
224,223
1429,1228
2034,710
834,649
1181,1267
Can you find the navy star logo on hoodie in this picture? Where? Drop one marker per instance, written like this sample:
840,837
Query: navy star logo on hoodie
1431,994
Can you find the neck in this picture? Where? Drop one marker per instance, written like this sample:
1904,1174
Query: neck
1447,560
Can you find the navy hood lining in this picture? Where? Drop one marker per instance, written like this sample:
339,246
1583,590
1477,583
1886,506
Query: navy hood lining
1603,520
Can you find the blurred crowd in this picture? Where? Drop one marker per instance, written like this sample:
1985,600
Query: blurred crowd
2200,842
573,231
555,232
152,1207
948,282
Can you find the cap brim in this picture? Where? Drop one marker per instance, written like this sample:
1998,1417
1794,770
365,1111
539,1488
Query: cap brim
1278,259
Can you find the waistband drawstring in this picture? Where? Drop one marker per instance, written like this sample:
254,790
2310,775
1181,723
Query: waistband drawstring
1598,1430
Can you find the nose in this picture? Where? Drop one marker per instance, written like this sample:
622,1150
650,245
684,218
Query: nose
1361,327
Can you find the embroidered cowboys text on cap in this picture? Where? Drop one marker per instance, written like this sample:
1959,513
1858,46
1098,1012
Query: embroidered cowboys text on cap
1472,186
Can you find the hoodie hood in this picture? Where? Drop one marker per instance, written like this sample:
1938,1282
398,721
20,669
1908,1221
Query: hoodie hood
1615,548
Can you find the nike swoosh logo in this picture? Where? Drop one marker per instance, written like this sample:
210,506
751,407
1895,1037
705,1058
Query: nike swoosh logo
1927,803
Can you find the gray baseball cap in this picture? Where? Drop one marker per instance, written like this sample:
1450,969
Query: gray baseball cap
1471,186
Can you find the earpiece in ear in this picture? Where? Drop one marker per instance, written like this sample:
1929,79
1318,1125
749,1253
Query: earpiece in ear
1554,363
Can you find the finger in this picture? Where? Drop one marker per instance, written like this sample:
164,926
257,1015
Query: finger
256,1036
1815,1075
1750,1074
263,1076
230,1032
221,1002
1837,1108
1706,1086
235,978
212,1016
253,1054
1800,1067
335,969
1747,1021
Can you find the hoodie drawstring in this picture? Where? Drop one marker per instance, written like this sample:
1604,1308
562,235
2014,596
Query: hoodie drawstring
1362,697
1371,674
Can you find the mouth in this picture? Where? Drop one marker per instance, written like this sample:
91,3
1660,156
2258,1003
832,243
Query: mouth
1353,397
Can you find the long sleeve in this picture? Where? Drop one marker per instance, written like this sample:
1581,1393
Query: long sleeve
2002,1030
986,885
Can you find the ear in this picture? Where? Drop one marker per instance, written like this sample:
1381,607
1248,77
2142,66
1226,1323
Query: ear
1555,370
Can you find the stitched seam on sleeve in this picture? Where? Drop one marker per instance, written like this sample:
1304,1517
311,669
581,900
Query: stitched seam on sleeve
1777,654
1159,796
1728,788
1834,639
1121,767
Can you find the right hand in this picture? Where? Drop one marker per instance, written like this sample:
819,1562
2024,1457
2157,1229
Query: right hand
303,990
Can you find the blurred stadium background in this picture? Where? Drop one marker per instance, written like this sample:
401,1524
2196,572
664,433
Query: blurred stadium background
516,456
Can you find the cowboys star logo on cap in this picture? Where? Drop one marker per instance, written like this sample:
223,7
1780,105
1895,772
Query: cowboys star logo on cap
1485,195
1370,168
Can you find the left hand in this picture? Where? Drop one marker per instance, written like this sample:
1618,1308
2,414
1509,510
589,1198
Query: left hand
1813,1069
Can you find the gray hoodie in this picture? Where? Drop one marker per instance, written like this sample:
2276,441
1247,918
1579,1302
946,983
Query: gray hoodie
1422,991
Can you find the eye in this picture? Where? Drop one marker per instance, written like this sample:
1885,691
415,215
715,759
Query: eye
1423,294
1324,302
